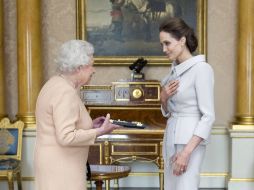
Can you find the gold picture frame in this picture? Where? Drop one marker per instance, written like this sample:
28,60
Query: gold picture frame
120,60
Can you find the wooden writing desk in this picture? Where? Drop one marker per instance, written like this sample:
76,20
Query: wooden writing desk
130,101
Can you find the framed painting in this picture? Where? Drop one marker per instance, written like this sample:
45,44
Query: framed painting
124,30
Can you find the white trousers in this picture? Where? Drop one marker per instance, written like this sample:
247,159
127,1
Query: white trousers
189,180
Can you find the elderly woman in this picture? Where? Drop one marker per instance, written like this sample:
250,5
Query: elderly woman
64,128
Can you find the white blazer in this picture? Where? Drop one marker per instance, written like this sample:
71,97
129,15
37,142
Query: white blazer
191,109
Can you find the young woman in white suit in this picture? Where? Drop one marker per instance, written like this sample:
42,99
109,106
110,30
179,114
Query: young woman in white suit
187,100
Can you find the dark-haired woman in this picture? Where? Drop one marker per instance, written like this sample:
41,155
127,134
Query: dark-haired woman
187,100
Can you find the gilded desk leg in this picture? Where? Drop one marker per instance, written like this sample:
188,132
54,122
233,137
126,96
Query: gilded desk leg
106,152
107,184
98,184
10,180
161,168
116,184
19,180
161,180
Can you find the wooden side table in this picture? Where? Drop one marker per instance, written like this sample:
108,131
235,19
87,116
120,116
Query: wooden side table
107,172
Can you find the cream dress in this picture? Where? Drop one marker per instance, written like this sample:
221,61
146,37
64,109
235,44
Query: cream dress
64,134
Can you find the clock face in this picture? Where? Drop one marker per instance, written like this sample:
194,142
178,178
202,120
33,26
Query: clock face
137,93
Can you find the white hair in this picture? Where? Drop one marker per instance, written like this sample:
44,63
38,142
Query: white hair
74,53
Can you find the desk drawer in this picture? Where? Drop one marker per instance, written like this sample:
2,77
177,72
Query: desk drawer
139,149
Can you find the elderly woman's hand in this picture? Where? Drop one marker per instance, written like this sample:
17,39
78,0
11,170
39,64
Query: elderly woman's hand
106,127
98,122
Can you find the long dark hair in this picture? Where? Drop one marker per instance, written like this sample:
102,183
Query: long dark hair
178,28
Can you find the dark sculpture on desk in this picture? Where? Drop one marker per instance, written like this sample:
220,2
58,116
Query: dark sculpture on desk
136,68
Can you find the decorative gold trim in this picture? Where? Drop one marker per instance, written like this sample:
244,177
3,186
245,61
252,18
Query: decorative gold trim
2,73
106,152
243,137
152,60
208,174
244,120
96,87
222,174
30,178
124,131
123,108
152,100
151,85
242,127
120,85
101,155
138,131
5,124
137,82
144,174
131,159
241,179
117,131
29,120
114,145
28,59
80,19
158,92
121,99
244,131
30,125
202,26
